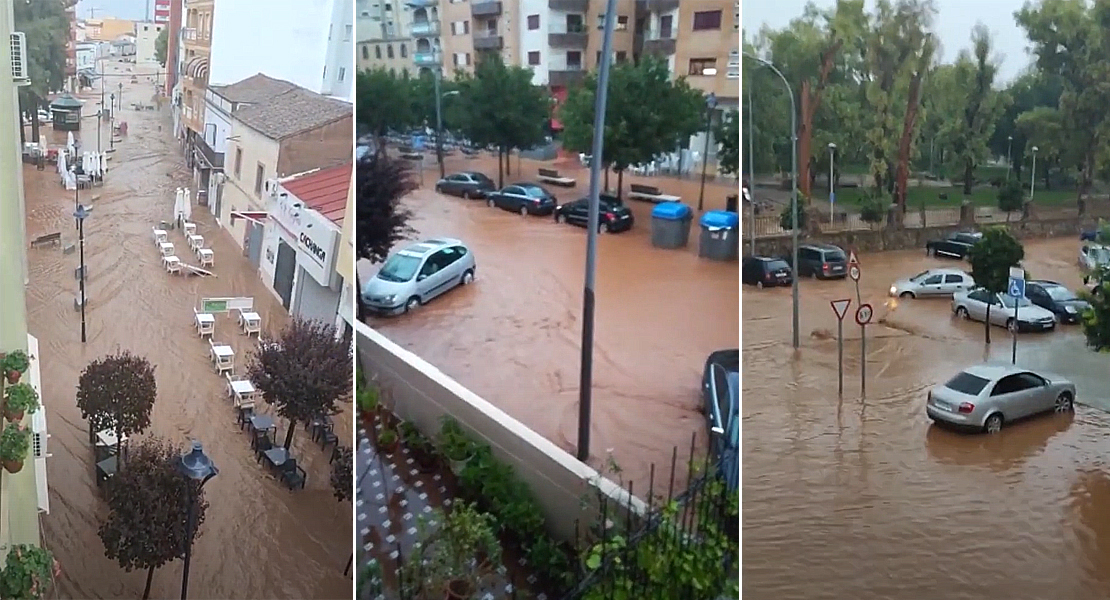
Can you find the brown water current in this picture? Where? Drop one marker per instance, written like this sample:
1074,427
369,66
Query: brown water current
259,540
514,336
863,498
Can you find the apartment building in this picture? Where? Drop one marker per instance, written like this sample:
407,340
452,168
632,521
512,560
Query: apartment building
390,30
162,11
196,43
106,30
173,45
700,40
145,36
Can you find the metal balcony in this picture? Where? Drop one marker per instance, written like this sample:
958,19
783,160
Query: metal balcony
485,8
421,3
488,40
425,59
570,6
425,28
661,6
565,75
659,46
562,36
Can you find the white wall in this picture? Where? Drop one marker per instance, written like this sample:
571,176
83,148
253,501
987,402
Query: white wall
338,77
535,41
217,121
239,188
286,40
145,35
86,56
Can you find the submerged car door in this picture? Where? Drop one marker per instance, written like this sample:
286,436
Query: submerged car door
1012,395
977,305
432,277
931,286
953,282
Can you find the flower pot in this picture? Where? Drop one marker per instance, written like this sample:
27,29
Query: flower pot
13,416
459,589
13,466
390,447
13,376
457,466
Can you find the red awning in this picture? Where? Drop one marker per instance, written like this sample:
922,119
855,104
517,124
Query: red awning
556,124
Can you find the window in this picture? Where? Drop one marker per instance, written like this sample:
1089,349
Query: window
460,59
1015,383
238,162
365,53
404,51
953,279
966,383
347,33
707,20
389,51
378,52
533,58
259,177
703,66
466,27
622,23
666,27
146,27
533,22
622,56
574,60
342,73
934,280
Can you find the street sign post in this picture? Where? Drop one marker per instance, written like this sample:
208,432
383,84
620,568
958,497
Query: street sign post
853,272
840,307
1016,289
863,317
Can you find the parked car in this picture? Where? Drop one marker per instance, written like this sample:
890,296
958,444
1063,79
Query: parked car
1090,235
820,261
1056,298
972,305
934,282
613,216
1093,257
765,271
957,245
721,403
417,274
524,198
469,184
985,397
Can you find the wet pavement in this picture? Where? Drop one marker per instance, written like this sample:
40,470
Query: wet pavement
513,337
260,540
868,500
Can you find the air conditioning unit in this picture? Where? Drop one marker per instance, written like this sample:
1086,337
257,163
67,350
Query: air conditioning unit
19,58
271,186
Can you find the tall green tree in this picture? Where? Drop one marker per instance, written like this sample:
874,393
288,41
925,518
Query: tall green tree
647,113
384,101
1096,319
161,46
44,24
1044,128
728,143
991,258
1030,90
498,106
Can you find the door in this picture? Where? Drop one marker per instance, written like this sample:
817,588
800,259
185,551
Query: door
932,286
217,201
1016,396
455,184
999,313
578,213
1039,400
512,198
666,27
283,272
432,278
1038,296
977,305
953,283
254,243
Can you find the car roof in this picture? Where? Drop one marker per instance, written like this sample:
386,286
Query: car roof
821,246
1046,283
977,234
473,173
993,372
429,246
946,271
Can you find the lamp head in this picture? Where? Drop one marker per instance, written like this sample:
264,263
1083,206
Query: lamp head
832,146
196,465
711,101
81,212
1035,149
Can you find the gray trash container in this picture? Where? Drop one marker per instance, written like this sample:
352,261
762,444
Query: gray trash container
670,225
720,237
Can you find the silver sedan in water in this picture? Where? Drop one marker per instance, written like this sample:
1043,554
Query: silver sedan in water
985,397
934,282
1015,315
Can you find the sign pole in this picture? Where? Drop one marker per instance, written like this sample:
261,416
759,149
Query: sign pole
840,308
863,361
1013,334
1017,292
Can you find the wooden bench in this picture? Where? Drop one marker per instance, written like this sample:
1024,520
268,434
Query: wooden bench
552,176
53,239
408,153
650,193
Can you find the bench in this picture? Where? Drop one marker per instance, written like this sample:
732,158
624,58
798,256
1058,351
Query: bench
552,176
650,193
53,239
408,153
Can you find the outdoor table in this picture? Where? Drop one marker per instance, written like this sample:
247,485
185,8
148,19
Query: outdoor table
166,248
105,469
223,357
207,257
108,438
160,236
241,389
262,423
276,456
190,228
205,324
171,263
251,322
195,241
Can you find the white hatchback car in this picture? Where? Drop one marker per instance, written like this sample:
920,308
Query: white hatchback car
1093,257
417,274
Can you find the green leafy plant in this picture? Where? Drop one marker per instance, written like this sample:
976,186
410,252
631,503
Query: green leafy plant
454,442
872,208
28,573
991,258
786,216
367,398
16,360
550,560
1096,318
1010,197
370,579
21,398
460,550
15,443
387,437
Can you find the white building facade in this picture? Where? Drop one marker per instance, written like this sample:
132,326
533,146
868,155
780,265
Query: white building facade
145,36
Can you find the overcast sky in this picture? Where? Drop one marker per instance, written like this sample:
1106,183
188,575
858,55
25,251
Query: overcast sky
954,21
120,9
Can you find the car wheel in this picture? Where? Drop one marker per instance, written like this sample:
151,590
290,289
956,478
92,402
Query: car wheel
468,277
759,285
561,219
1011,325
813,275
466,195
993,424
412,304
604,227
961,312
439,189
523,210
1065,403
907,296
490,203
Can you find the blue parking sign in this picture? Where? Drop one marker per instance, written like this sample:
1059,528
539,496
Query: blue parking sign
1017,287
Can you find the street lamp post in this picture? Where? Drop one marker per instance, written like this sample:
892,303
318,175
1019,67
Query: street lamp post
793,189
196,467
438,74
81,213
1033,174
1009,160
832,193
710,105
111,118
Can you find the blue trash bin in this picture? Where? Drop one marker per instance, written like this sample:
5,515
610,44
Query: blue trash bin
720,235
670,225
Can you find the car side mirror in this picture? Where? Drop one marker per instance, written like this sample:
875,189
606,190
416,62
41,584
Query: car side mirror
421,277
717,431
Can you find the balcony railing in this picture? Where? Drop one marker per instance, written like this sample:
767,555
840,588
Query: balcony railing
563,74
570,6
485,8
661,6
425,59
189,34
429,27
567,35
214,159
488,40
422,3
660,46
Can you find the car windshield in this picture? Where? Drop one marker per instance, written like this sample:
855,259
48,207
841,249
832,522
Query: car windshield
920,276
399,268
777,265
966,383
480,178
835,256
533,191
1008,301
1060,293
1100,256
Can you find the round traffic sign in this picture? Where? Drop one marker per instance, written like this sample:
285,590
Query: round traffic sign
863,314
853,272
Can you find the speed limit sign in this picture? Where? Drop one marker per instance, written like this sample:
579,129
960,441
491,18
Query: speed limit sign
863,314
853,272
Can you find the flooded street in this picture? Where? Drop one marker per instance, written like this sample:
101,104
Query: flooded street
259,539
514,336
868,500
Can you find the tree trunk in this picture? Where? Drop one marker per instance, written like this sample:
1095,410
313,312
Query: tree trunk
360,308
149,579
905,144
22,133
509,162
289,434
987,323
810,102
500,168
620,183
969,176
606,169
34,125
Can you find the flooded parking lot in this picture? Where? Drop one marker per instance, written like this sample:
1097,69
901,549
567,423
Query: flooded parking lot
868,500
259,539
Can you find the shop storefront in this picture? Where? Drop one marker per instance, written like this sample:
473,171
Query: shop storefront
317,287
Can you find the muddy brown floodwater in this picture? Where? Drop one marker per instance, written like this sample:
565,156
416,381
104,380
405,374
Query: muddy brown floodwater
513,337
865,499
259,540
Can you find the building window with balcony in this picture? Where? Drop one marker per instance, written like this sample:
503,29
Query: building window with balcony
259,177
707,20
706,67
575,24
622,23
622,56
533,22
533,58
378,52
574,60
238,163
666,27
389,51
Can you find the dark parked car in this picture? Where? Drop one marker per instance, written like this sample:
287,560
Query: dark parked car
764,271
612,215
524,198
1060,300
956,245
469,184
721,403
820,261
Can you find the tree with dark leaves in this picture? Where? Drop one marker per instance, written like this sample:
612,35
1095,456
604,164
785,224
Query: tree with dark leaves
381,220
991,258
341,467
148,510
117,393
307,372
46,28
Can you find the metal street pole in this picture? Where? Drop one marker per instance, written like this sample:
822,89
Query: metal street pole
751,166
111,118
1009,161
438,74
80,214
585,383
832,193
793,190
1033,174
710,104
197,468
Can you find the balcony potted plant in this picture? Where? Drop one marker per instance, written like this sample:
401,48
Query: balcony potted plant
15,364
19,399
459,552
388,440
28,572
15,443
455,445
368,403
423,451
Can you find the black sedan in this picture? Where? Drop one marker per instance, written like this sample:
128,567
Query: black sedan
469,184
764,271
1060,300
523,198
612,216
